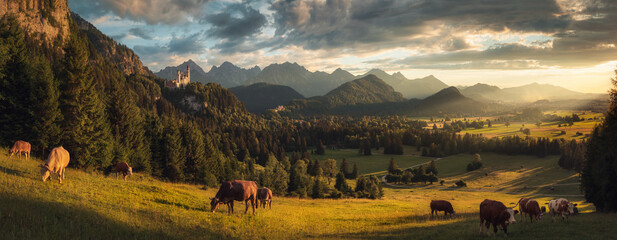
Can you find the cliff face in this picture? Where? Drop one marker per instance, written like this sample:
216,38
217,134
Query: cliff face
46,19
120,55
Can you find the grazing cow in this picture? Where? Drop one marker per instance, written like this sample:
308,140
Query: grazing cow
494,212
522,207
235,190
124,168
534,211
561,207
20,147
442,205
265,197
56,163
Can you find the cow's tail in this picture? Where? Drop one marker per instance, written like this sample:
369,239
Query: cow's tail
519,201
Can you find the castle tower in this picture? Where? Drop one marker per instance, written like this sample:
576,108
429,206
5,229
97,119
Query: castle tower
188,74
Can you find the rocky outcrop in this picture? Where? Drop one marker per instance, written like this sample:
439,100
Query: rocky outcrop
122,56
48,20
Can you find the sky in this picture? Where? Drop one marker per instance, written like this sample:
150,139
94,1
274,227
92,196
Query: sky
570,43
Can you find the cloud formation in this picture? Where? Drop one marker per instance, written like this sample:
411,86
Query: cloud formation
150,11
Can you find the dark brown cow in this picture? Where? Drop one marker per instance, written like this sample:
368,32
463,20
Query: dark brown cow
124,168
522,204
494,212
442,205
265,197
235,190
20,147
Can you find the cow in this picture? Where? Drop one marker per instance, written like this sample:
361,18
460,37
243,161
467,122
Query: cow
124,168
496,213
534,211
56,163
20,147
264,195
561,207
235,190
522,207
442,205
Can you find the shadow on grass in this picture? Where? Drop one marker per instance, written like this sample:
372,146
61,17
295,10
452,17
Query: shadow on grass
584,226
32,219
12,171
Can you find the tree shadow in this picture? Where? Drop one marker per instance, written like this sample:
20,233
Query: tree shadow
22,218
12,171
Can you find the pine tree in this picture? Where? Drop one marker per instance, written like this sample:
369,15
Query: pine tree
392,167
340,183
355,173
345,168
600,169
172,152
86,129
320,148
45,109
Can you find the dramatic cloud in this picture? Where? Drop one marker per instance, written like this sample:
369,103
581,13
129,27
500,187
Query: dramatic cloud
187,44
151,11
141,33
235,21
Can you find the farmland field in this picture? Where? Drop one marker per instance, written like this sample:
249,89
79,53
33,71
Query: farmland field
546,129
92,206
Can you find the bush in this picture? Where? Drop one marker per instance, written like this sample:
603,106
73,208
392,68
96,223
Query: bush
475,164
460,183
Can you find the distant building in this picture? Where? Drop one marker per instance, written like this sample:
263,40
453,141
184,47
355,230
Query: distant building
181,80
279,108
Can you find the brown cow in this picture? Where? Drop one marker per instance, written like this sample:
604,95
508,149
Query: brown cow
124,168
494,212
522,204
265,197
534,211
20,147
442,205
235,190
561,207
56,163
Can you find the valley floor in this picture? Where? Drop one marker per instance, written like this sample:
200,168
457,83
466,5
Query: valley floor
92,206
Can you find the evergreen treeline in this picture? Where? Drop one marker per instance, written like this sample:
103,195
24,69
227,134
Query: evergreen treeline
599,172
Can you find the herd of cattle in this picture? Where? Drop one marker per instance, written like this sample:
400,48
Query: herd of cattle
497,214
491,212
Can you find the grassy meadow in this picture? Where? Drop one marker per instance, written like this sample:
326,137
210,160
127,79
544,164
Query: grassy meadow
92,206
546,129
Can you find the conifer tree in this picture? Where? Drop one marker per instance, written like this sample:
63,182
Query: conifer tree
355,173
86,129
345,168
599,174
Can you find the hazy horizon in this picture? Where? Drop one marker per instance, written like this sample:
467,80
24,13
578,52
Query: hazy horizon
567,43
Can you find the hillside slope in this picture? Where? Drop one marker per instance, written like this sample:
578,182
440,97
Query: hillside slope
366,90
261,96
92,206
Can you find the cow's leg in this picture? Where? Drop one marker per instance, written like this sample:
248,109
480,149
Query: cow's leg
487,225
505,229
481,226
270,204
232,206
253,203
246,203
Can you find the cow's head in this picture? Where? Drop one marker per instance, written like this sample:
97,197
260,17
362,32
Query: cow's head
214,204
510,215
45,172
571,208
11,152
130,171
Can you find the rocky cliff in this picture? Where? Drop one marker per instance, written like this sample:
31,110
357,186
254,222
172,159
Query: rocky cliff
45,19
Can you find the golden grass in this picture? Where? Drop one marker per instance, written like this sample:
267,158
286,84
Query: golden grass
92,206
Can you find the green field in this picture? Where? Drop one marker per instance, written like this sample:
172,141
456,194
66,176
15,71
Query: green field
91,206
547,129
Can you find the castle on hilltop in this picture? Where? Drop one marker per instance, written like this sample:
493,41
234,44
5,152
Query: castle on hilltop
181,80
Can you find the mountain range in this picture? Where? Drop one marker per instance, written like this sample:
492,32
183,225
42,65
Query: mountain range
416,88
526,93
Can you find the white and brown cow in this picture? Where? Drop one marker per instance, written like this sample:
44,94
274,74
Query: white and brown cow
561,207
56,163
